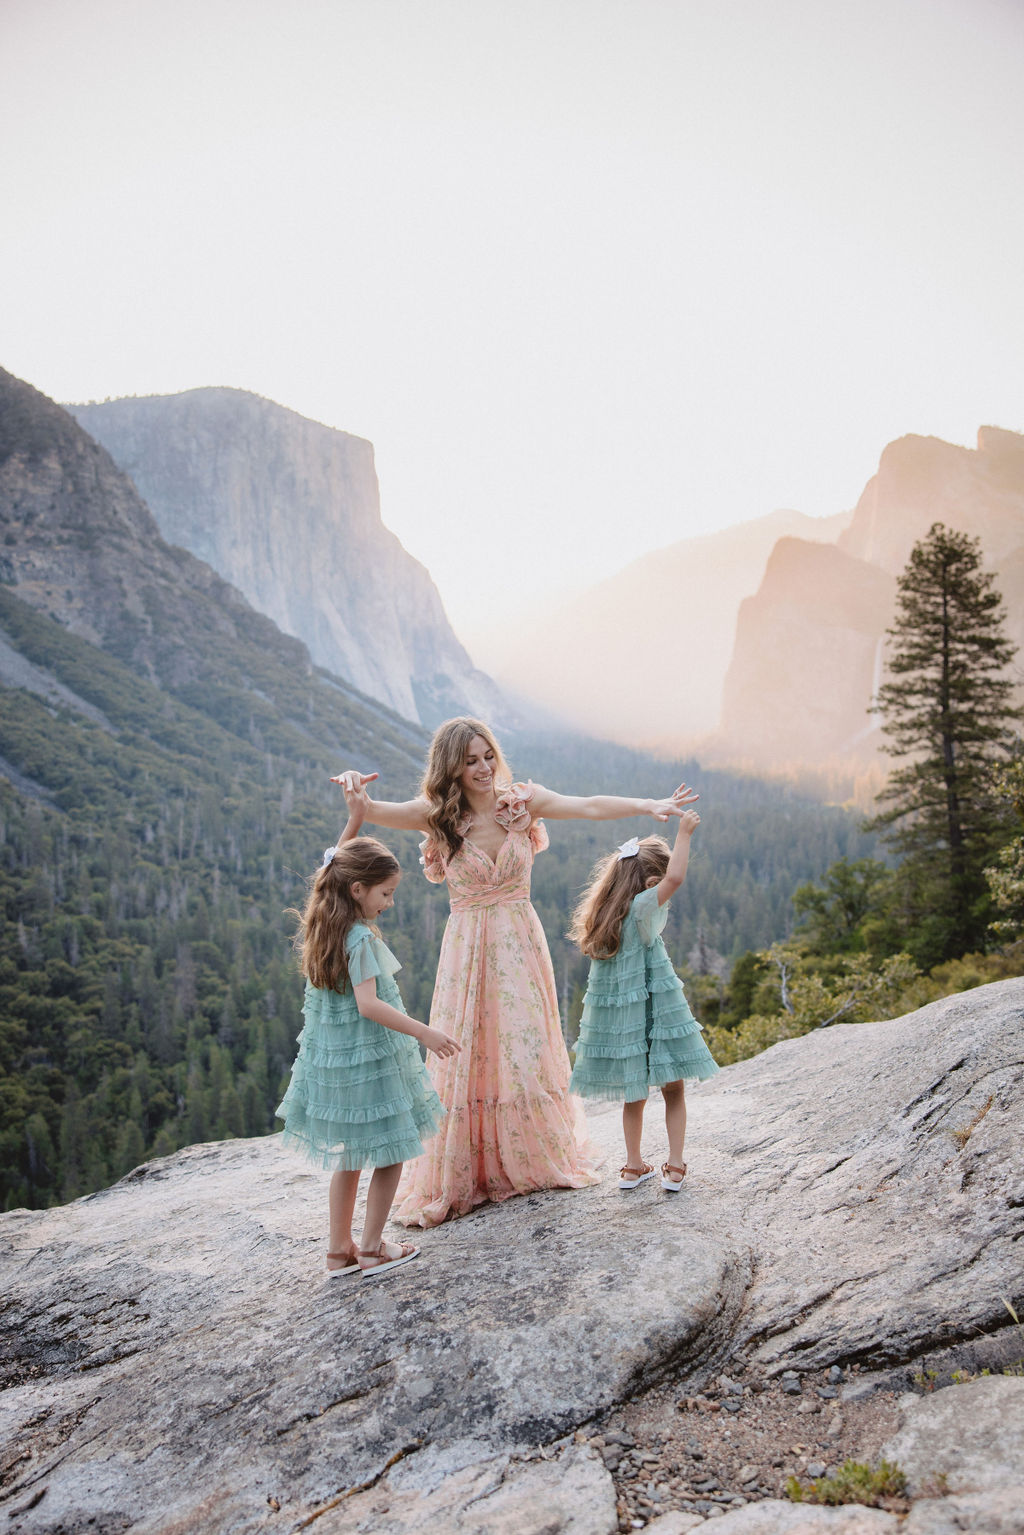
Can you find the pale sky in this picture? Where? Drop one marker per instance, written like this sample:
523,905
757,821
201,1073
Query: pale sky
592,275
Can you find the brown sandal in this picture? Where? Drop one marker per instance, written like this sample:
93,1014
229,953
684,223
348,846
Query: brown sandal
346,1270
672,1177
382,1264
629,1177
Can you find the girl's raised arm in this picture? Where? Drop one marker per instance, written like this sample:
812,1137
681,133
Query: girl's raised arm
403,815
679,857
606,807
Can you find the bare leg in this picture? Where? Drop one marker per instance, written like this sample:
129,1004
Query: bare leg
674,1094
341,1204
633,1130
379,1199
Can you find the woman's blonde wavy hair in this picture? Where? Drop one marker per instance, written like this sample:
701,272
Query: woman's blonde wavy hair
596,926
441,787
331,910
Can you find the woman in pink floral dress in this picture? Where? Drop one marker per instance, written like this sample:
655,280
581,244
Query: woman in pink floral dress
511,1126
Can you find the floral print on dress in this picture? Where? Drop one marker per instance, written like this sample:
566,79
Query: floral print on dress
512,1127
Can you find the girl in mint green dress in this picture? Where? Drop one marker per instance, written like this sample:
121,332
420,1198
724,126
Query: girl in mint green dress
359,1095
637,1031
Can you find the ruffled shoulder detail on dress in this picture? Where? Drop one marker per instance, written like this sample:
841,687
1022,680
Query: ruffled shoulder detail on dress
512,810
368,956
432,860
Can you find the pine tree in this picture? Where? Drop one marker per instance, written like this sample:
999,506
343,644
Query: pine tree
947,708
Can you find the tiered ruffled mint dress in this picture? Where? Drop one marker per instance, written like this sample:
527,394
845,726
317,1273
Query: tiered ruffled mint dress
359,1095
637,1031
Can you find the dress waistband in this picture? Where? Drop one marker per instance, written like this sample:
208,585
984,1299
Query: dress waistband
484,898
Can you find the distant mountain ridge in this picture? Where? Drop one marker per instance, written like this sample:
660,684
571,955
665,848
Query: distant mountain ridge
288,511
811,642
761,646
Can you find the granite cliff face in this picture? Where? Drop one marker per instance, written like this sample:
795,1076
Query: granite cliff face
78,543
288,511
922,480
808,656
81,545
810,644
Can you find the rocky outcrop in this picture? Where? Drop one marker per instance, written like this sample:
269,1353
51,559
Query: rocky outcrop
288,511
808,657
175,1360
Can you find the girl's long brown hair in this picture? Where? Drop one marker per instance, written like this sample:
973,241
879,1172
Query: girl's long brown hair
596,926
331,909
441,787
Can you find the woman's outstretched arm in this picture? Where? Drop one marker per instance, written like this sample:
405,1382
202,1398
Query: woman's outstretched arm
607,807
403,815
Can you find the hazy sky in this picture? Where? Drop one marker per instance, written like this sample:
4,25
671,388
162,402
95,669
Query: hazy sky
592,275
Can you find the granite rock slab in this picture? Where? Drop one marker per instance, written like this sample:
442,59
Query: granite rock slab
173,1357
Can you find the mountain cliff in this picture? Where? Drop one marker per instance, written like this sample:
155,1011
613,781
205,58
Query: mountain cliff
921,480
288,511
807,658
810,644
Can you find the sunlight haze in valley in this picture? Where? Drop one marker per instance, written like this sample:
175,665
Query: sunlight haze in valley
594,278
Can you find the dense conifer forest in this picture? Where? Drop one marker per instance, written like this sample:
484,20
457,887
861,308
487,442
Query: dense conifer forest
150,849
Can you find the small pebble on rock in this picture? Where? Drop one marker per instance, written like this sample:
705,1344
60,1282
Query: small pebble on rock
815,1468
748,1474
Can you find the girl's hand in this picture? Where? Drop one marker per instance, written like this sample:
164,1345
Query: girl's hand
662,809
441,1044
689,820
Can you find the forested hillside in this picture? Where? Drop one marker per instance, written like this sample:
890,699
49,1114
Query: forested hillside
165,754
148,996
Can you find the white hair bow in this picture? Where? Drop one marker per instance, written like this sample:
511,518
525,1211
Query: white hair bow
329,853
630,848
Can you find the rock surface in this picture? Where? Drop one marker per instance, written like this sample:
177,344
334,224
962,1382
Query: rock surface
175,1359
971,1435
288,510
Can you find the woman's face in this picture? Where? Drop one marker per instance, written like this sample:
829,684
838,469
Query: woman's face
477,768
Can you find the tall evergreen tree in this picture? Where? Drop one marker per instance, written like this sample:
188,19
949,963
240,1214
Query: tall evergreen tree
948,710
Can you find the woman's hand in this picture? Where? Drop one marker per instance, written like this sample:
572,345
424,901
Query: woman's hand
441,1044
353,786
353,779
662,809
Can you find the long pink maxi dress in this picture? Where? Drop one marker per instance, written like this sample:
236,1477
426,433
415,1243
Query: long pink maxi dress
512,1126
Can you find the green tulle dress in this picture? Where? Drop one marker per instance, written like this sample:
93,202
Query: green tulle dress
637,1031
359,1094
